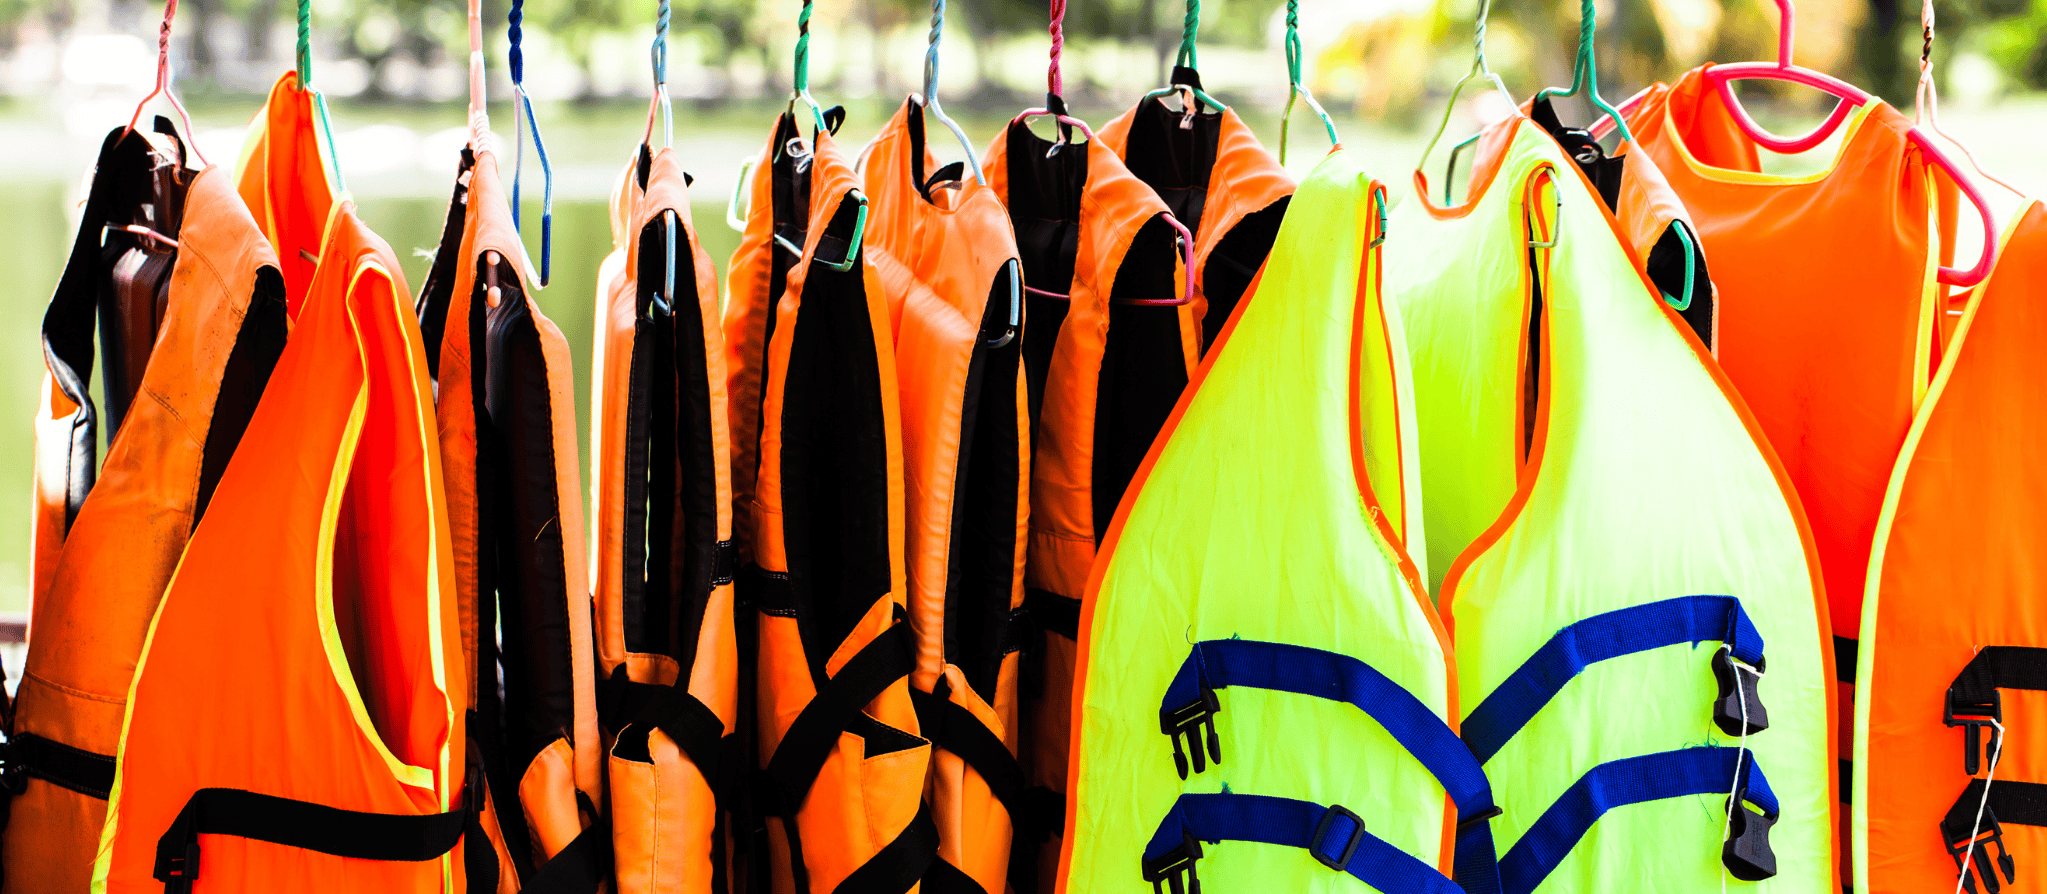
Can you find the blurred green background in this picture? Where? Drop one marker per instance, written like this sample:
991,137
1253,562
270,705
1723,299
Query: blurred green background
393,71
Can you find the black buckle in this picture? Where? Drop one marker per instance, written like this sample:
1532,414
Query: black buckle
178,870
1186,719
1991,834
1465,824
1738,690
1747,854
1350,848
1976,716
1166,869
13,771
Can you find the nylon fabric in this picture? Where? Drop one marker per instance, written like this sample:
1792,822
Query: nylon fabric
1308,365
947,262
326,564
1291,823
107,538
1950,578
1558,398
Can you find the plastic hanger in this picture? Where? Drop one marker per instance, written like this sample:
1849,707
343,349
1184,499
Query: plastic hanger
1190,94
1722,78
523,120
800,90
658,55
931,91
163,85
1294,87
1926,102
1055,107
1479,69
305,68
1585,74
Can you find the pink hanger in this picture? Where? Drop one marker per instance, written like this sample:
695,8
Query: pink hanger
163,84
1053,82
1721,77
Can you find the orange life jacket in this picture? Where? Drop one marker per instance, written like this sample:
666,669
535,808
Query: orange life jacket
209,311
845,770
1219,181
505,411
1826,311
947,263
662,483
295,721
1948,636
283,180
1102,378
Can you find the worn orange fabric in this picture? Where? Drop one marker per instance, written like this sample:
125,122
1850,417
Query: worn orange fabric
845,768
1953,576
505,413
1216,177
1102,379
663,491
283,180
108,539
947,262
307,647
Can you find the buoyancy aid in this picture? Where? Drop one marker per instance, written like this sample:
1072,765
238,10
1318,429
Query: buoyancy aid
1650,213
1949,754
295,721
660,447
947,262
1833,357
282,177
204,297
1615,545
505,414
1102,376
1217,179
844,768
1277,620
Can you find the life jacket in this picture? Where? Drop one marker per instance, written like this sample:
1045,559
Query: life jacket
295,721
1650,213
844,768
505,411
1948,733
1272,627
1217,179
1615,545
282,177
1102,377
947,262
209,308
1833,357
662,485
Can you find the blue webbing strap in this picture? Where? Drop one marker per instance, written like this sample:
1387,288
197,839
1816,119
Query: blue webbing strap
1651,777
1685,619
1216,664
1332,835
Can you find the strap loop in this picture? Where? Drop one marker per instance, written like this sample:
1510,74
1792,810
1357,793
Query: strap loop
294,823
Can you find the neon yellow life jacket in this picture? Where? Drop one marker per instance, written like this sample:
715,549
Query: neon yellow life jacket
1254,598
1614,545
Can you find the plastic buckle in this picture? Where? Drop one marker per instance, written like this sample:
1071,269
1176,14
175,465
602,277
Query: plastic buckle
1747,854
1464,825
13,773
1992,834
1167,867
1350,848
178,871
1186,719
1738,681
1976,717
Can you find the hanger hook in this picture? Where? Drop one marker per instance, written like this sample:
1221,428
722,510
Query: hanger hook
523,120
163,84
1294,86
931,90
1585,72
1480,69
658,58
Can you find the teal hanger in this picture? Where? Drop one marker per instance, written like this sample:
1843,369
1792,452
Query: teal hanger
1585,76
801,91
1189,27
1480,70
305,66
1294,87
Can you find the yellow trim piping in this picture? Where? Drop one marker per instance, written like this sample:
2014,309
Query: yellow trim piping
1758,178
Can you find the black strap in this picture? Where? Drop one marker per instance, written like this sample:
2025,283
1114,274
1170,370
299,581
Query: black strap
695,728
293,823
945,878
724,561
769,591
1978,841
953,728
580,867
1845,650
1973,702
84,772
903,863
1053,613
810,738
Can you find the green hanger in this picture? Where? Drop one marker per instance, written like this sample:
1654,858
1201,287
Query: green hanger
305,66
1479,70
1293,78
1585,76
1189,27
